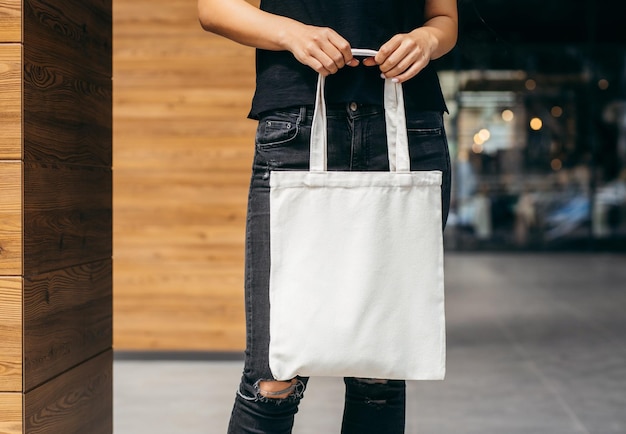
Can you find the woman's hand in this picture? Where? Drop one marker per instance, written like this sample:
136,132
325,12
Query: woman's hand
405,55
321,48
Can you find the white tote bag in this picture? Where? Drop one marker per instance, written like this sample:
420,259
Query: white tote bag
356,278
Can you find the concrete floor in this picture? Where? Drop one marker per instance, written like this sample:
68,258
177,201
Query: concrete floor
536,345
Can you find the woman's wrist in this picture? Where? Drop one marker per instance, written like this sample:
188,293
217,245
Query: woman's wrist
442,35
426,39
288,33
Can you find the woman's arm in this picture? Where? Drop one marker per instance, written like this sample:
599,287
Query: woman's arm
321,48
405,55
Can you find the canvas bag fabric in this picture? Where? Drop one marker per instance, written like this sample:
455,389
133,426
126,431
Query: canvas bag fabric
356,277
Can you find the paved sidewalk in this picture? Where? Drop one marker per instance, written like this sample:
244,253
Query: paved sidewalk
536,345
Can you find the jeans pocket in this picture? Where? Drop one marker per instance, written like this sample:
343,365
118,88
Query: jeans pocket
277,129
427,141
282,141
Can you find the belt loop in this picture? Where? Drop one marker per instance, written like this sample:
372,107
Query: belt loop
302,115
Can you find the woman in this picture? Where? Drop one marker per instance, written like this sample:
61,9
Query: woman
296,40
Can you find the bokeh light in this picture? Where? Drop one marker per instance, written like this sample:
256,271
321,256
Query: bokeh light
484,134
536,124
507,115
556,111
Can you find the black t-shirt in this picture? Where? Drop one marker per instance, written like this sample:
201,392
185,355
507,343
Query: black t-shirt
282,81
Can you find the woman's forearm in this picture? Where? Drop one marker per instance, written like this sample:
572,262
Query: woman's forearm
321,48
442,24
244,23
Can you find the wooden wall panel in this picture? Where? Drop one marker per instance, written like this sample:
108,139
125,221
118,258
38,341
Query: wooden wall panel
10,20
10,335
67,216
10,218
10,100
79,31
182,156
11,416
55,216
79,401
67,82
67,319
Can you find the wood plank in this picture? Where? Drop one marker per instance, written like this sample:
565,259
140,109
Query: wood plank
67,319
77,402
208,187
10,218
196,127
188,74
181,103
10,20
67,216
79,32
10,334
10,99
67,113
233,154
67,82
11,420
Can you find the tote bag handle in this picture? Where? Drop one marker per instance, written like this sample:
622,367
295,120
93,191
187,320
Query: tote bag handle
395,120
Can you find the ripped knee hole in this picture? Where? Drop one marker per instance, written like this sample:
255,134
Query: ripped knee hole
277,389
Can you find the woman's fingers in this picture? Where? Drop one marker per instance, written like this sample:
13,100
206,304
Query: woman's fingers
323,49
403,56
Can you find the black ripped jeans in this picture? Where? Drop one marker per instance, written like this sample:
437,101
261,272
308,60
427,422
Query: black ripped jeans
356,141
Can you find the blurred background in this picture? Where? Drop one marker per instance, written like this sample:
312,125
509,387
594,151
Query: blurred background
538,125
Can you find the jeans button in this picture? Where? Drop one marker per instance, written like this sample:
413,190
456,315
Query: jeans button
353,106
